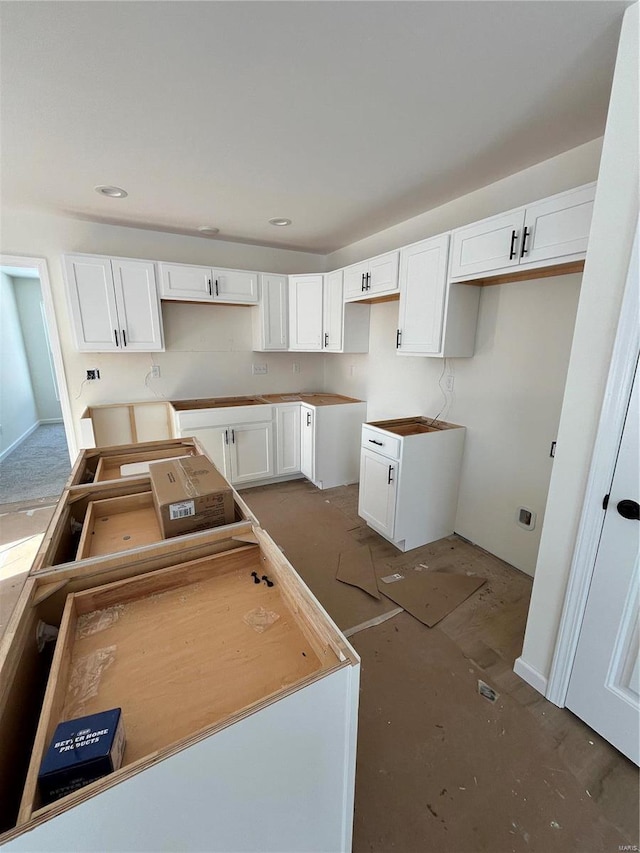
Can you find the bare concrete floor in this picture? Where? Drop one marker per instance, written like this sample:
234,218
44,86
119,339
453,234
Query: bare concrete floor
439,767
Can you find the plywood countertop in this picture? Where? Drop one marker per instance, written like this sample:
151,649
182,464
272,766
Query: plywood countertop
312,398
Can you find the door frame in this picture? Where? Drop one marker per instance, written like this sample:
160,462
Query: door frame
40,264
624,358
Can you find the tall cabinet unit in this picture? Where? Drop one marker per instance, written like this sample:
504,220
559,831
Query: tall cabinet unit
114,304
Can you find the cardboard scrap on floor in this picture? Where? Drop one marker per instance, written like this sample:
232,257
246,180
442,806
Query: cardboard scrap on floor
355,567
430,596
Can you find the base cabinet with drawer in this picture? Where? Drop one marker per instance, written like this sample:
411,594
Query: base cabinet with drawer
220,703
409,475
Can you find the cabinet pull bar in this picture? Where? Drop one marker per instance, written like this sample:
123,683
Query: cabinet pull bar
398,338
210,290
368,281
373,441
217,294
326,339
124,337
524,250
362,286
389,478
308,418
233,436
115,332
512,250
226,436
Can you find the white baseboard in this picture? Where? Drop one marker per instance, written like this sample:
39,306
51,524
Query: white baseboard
534,678
19,440
51,421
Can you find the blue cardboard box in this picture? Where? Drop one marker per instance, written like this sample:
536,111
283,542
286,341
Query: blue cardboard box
81,751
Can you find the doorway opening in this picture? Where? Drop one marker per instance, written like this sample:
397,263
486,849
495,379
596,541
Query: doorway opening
36,434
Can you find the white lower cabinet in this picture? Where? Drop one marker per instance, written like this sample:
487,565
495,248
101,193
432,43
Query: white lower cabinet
409,474
288,439
242,452
329,443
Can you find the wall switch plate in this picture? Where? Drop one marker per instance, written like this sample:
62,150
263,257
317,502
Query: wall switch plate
259,369
155,371
449,381
93,374
296,367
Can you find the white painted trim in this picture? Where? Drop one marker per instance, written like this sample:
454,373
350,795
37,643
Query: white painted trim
532,676
19,440
51,421
614,408
54,339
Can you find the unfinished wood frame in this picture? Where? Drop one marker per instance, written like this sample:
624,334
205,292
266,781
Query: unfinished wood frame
303,637
527,275
127,423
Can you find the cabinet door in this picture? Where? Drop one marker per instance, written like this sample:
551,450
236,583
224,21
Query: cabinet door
305,312
186,283
235,286
273,315
251,452
288,440
558,227
377,496
307,442
354,280
93,303
488,245
383,274
138,306
333,310
214,440
423,281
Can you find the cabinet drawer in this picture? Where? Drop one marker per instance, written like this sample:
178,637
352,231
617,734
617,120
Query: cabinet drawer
381,442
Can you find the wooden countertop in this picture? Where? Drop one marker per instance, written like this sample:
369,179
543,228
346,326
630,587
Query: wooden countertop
312,398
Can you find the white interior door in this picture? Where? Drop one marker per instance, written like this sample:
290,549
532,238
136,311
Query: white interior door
604,688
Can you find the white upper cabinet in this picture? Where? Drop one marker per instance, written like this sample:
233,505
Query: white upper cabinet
375,277
305,313
188,283
436,317
423,281
333,308
552,231
114,304
271,315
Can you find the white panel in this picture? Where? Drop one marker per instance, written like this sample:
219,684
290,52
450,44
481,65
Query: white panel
487,245
307,442
185,282
278,781
251,452
288,439
559,226
423,273
138,305
305,313
274,316
354,281
383,273
93,303
235,286
333,309
377,491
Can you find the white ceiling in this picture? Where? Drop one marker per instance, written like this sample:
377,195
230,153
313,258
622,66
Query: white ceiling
346,117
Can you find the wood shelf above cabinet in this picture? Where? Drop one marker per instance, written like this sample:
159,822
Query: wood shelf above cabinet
527,275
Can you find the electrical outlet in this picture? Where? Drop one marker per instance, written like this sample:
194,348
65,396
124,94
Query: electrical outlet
296,367
449,381
259,369
155,371
93,374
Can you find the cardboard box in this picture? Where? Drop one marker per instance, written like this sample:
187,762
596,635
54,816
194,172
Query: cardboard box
80,752
190,494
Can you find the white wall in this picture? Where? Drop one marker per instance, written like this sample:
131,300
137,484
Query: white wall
510,394
28,297
17,405
610,242
209,346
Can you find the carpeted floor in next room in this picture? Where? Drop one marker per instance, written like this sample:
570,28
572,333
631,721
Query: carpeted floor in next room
38,468
440,769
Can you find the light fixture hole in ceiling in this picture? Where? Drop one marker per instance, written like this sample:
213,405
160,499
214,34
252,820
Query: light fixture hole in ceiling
280,221
111,191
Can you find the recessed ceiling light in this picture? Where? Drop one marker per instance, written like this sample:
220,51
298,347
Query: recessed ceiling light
112,192
279,221
208,230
